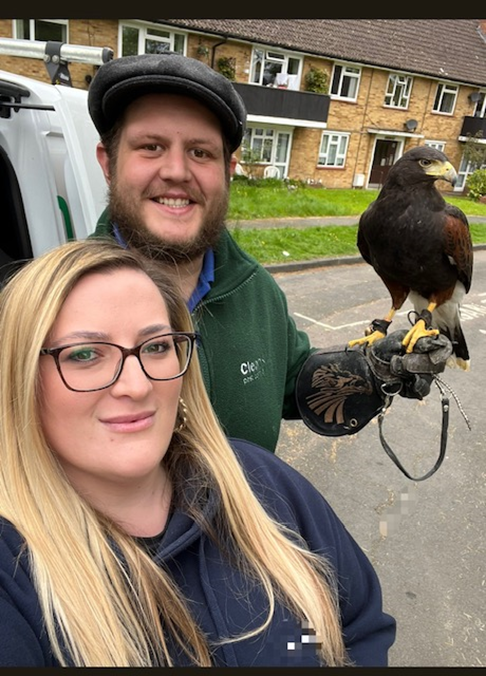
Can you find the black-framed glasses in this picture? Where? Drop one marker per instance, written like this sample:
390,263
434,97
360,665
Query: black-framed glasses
96,365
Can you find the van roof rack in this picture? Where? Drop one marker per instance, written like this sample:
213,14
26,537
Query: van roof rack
56,55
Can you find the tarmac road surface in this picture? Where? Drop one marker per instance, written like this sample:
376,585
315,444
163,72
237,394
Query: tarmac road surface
426,539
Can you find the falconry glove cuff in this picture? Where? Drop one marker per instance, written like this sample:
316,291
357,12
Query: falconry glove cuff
336,391
339,390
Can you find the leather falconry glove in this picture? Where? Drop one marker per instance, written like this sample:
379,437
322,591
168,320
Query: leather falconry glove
340,389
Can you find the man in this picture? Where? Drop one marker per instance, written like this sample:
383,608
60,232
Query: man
169,126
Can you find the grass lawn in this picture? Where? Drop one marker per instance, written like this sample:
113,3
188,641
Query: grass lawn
283,245
273,199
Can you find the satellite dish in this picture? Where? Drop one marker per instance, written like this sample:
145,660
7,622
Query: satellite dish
411,125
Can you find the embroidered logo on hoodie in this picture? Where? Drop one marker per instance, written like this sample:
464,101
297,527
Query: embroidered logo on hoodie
252,370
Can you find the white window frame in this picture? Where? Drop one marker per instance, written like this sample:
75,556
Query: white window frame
342,75
398,90
465,169
438,145
270,136
277,57
480,109
32,25
264,137
147,32
444,90
333,141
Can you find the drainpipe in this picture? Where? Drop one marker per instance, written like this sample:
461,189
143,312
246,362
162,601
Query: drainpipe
213,50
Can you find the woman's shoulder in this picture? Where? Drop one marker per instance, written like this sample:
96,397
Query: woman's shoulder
251,456
293,500
274,480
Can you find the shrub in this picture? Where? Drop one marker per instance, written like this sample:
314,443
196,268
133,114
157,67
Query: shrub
316,80
227,67
476,184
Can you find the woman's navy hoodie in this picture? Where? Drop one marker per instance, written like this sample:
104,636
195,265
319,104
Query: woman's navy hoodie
223,603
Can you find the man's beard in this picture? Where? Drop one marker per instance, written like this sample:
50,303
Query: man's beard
125,214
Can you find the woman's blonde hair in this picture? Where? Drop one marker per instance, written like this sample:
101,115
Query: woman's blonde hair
104,601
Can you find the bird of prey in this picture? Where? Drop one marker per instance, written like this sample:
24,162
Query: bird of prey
421,248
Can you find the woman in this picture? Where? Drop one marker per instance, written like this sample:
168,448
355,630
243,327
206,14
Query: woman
132,531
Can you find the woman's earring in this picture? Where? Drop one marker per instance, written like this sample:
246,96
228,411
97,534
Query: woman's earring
182,415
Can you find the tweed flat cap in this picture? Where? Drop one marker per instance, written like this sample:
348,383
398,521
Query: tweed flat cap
120,81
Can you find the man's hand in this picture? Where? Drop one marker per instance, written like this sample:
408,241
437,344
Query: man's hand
409,375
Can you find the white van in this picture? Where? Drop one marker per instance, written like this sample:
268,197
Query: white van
51,185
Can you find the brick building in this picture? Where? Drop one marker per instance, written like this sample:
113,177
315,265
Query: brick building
331,101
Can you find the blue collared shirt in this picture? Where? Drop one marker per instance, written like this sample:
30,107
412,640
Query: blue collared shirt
206,276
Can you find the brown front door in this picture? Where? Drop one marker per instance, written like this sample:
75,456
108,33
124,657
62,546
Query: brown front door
383,159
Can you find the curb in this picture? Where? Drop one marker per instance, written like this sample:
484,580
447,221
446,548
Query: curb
299,266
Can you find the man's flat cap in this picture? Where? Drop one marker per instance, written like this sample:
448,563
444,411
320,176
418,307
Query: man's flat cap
120,81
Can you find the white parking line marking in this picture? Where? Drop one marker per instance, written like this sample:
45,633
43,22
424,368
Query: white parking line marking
342,326
468,312
471,311
328,326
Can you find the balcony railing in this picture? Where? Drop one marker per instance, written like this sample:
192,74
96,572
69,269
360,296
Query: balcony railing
284,103
474,126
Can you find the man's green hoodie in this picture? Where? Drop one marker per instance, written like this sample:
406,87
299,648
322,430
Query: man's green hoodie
250,349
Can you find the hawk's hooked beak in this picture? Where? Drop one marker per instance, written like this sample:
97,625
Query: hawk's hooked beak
446,172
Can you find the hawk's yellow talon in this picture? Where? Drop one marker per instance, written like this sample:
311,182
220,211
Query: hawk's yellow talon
416,332
367,340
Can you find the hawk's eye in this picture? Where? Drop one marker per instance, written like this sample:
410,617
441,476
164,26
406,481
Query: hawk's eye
425,163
